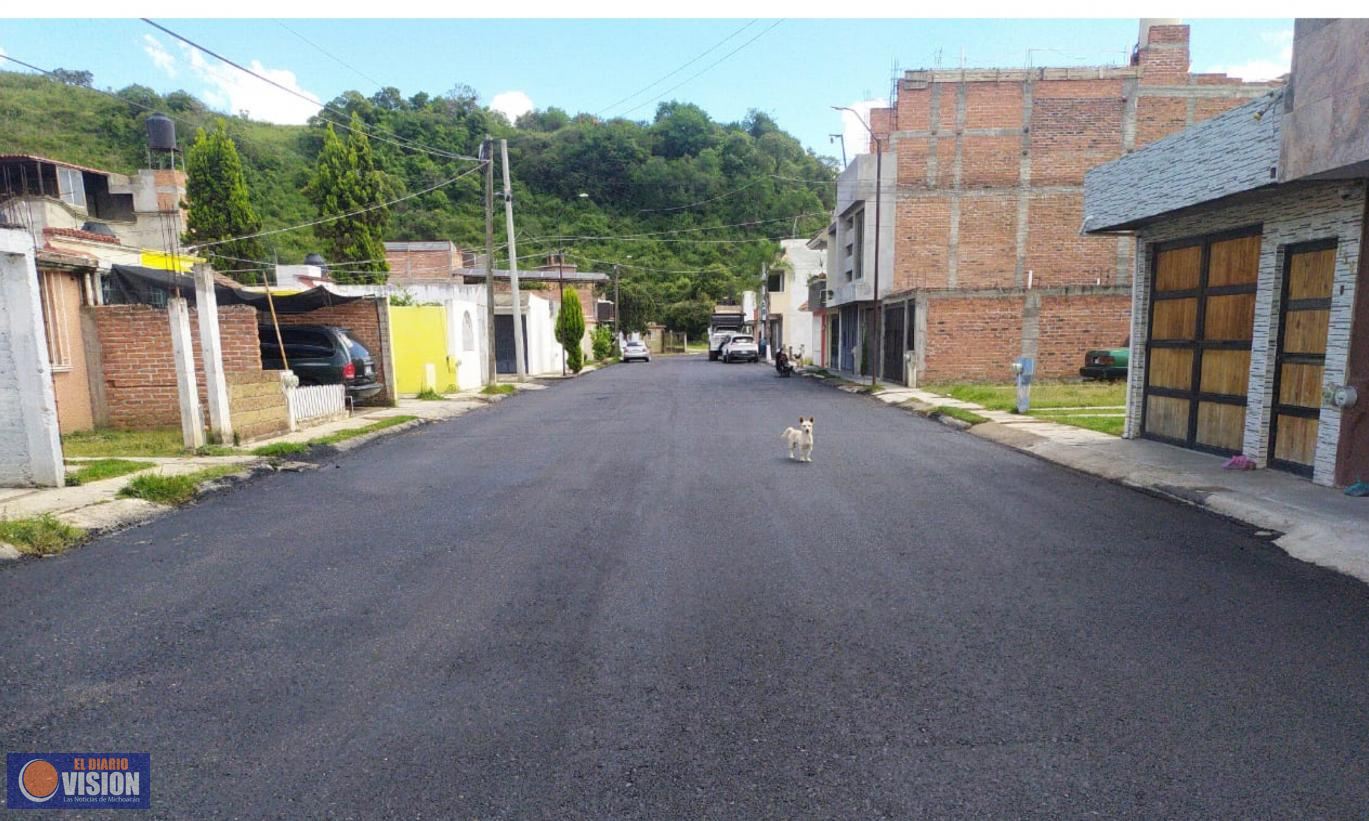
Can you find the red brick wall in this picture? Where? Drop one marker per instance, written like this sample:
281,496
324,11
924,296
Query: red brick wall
1070,325
362,318
974,338
977,338
409,266
138,368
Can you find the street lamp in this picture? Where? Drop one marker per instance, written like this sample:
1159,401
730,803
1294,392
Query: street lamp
877,344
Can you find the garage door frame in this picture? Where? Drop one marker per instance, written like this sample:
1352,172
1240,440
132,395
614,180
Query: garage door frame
1282,357
1194,395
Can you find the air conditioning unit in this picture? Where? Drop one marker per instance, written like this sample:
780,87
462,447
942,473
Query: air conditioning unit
828,296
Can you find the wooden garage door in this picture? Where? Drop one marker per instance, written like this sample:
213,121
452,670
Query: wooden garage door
1304,316
1202,315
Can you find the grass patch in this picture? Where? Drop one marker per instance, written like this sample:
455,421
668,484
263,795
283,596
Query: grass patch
42,535
351,433
84,473
1111,425
278,450
109,442
967,416
173,490
497,389
430,395
1043,394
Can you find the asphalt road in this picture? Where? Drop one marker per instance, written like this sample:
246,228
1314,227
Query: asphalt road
618,598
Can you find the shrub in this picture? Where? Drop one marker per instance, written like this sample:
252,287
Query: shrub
570,329
603,342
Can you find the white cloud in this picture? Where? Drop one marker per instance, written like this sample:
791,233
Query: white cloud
856,137
227,89
161,58
1269,67
512,104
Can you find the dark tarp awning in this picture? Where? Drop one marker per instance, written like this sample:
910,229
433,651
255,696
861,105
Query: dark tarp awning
135,285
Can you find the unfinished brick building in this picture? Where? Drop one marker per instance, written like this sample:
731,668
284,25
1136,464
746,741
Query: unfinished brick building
982,260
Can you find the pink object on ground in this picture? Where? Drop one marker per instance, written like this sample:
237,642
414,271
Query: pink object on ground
1239,462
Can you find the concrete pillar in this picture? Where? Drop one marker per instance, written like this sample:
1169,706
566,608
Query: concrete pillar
30,443
187,392
211,352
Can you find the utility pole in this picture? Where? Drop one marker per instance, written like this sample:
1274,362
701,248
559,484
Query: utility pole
487,153
561,286
617,307
521,367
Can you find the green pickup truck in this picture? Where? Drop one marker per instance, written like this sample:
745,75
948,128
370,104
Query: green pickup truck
1106,364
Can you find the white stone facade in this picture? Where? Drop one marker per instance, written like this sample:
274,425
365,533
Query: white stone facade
1289,215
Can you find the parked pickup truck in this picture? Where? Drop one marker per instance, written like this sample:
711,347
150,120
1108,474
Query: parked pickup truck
1107,364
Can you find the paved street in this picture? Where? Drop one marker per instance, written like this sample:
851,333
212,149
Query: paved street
617,598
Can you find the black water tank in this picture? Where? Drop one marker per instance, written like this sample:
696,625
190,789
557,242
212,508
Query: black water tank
315,259
161,133
98,228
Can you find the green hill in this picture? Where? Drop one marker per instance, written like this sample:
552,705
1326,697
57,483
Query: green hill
690,207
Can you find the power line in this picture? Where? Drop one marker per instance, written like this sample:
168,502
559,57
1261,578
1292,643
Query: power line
705,69
662,79
333,56
336,217
307,98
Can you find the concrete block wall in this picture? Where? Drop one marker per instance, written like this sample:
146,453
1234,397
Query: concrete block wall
257,404
138,371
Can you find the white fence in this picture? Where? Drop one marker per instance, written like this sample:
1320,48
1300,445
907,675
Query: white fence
316,403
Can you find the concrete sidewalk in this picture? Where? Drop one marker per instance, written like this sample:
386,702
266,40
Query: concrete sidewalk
97,507
1319,524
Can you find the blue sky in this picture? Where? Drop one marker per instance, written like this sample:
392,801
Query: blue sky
794,70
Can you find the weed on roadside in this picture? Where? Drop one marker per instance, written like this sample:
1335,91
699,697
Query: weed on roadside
497,389
966,416
43,535
430,395
281,449
83,473
350,433
174,490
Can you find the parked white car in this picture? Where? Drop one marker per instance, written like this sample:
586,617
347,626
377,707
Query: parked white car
741,348
636,349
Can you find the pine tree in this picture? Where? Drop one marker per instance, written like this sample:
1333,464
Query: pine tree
346,181
219,207
570,329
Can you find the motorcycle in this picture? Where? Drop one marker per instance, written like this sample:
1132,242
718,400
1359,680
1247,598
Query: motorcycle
783,365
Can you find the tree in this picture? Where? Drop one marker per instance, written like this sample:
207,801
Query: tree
75,77
345,189
219,207
690,316
570,329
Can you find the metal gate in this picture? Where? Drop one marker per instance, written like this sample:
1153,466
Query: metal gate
1304,317
1202,315
895,333
505,358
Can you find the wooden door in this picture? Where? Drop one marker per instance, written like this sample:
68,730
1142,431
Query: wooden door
1304,316
1202,318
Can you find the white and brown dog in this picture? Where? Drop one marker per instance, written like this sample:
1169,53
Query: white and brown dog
800,440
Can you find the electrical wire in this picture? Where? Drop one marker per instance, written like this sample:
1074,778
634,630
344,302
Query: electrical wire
665,77
333,56
336,217
705,70
395,141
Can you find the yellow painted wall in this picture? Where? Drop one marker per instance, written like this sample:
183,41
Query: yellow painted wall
169,262
419,336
